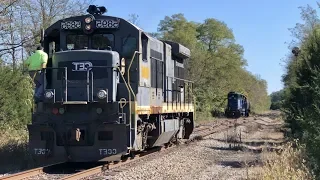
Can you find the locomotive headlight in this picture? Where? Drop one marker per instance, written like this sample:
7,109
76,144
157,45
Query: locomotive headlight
123,62
88,27
102,94
88,20
49,94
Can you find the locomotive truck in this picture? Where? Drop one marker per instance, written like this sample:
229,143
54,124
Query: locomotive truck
238,105
111,90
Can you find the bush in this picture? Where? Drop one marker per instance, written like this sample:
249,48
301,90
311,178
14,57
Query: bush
302,99
16,95
16,98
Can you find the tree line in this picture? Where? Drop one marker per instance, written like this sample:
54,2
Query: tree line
300,97
217,65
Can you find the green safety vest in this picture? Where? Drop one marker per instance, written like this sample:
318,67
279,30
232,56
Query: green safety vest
36,60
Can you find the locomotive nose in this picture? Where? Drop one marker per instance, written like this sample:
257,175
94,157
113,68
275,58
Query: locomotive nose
85,75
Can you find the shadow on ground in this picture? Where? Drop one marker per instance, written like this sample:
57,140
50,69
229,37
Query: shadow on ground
241,164
14,156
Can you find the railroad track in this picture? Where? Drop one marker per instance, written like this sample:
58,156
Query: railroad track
29,173
201,131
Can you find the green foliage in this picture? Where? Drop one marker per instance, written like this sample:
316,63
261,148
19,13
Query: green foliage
15,98
302,88
216,65
276,99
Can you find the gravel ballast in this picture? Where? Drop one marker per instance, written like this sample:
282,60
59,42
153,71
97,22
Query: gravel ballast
209,158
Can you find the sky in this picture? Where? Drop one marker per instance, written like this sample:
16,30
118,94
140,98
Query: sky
260,27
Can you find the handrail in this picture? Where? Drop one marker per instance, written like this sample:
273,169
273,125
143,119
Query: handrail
125,82
174,91
133,56
180,79
88,79
134,96
65,78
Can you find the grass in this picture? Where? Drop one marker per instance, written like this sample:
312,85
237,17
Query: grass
14,150
290,164
203,118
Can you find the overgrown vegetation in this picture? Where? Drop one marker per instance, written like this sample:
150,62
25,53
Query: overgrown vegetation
276,100
291,163
302,86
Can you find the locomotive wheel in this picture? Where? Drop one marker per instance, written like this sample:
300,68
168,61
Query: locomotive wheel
238,114
132,155
188,128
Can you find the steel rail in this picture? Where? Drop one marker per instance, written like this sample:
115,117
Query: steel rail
28,173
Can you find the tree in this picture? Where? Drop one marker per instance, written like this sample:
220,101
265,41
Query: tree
134,19
24,20
301,91
276,99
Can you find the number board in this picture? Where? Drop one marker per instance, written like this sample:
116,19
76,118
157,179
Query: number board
107,23
71,25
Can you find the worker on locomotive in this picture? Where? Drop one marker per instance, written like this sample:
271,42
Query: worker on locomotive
35,65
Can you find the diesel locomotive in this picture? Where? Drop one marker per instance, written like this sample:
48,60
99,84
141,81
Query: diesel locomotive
111,90
238,105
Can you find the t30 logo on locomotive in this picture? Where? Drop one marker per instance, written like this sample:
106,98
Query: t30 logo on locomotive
81,66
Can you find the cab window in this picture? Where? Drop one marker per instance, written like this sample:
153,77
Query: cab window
102,41
129,45
77,42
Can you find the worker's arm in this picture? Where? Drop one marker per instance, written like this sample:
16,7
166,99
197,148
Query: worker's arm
27,62
44,60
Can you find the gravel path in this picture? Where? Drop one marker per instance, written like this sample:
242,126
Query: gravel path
209,158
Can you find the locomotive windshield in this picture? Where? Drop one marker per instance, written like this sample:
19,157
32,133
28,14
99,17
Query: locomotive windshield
98,41
102,41
233,96
77,41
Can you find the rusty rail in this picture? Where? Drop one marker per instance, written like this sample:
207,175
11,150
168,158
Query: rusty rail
27,173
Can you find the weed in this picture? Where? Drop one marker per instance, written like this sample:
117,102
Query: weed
289,164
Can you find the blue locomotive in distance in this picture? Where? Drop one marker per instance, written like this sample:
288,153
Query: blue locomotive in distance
238,105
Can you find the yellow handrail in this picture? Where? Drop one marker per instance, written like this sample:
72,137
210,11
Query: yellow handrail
134,54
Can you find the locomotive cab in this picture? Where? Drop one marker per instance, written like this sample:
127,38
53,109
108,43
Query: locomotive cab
81,64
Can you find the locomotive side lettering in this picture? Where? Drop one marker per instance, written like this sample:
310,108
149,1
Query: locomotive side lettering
107,151
40,151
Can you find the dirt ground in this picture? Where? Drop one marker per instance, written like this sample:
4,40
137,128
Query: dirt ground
231,154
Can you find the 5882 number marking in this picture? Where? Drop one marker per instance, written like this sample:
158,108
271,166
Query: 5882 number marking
107,23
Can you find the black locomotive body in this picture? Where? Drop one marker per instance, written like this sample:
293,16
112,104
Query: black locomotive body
238,105
110,90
